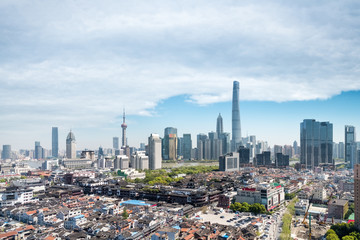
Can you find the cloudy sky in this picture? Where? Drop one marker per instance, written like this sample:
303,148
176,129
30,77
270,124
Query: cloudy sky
77,64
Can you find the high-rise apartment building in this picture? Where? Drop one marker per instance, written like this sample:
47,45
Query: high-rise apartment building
236,126
154,151
55,142
187,146
296,148
70,146
6,152
350,146
115,142
316,139
219,126
225,142
357,195
200,145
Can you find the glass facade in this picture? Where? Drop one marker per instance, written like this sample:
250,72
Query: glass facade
316,140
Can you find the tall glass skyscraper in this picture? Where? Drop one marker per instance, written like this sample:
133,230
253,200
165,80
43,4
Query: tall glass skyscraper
350,146
236,127
55,142
219,126
316,139
6,152
187,146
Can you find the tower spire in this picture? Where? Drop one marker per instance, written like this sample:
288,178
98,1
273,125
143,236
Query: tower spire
124,126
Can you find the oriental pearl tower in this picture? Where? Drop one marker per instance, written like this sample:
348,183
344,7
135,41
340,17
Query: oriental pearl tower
124,126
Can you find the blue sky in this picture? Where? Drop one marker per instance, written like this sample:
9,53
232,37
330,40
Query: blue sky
76,64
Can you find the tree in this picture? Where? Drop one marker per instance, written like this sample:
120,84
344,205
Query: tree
125,215
245,207
348,237
332,237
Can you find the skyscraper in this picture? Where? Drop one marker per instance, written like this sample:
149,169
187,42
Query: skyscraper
115,142
6,152
219,126
70,146
154,151
55,142
38,151
200,145
169,144
350,145
187,146
124,126
316,140
236,127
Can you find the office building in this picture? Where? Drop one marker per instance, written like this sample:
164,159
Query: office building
6,152
154,152
124,126
180,146
55,142
219,126
244,155
263,159
187,146
281,160
116,143
169,144
316,139
229,162
341,150
121,162
236,126
100,152
357,195
350,146
38,151
70,146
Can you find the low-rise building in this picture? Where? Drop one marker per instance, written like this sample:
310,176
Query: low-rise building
270,195
337,208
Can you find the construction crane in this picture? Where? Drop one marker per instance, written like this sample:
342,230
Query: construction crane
307,210
327,203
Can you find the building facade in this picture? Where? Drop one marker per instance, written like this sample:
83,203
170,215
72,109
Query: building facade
187,146
154,151
357,195
236,126
70,146
55,142
270,195
350,146
6,152
316,139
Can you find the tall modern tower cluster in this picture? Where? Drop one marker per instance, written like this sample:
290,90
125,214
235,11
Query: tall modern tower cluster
70,146
350,146
123,126
55,142
236,127
316,142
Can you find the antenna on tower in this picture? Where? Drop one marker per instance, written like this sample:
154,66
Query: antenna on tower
124,115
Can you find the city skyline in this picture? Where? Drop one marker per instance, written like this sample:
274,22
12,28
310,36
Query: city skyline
76,66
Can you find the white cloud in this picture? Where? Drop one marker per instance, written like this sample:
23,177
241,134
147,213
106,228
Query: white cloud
79,62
